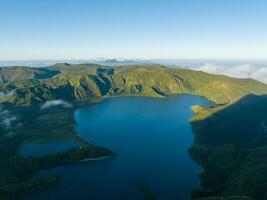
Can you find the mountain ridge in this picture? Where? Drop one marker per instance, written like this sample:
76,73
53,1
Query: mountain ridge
80,82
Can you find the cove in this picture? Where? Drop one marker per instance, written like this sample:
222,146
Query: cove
151,137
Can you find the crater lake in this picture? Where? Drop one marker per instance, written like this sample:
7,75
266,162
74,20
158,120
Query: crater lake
151,137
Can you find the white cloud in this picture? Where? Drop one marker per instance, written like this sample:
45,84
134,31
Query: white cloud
10,134
58,102
3,113
237,71
2,94
6,119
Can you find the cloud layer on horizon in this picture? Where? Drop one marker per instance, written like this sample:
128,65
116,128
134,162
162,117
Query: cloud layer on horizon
237,71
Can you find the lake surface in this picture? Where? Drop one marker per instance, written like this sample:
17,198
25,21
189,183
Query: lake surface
151,137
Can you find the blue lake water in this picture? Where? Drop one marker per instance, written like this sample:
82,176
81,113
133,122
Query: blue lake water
151,137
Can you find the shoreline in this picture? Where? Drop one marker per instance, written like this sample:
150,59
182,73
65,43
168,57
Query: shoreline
97,158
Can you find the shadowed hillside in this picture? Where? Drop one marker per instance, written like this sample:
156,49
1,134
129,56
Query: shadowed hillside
9,74
231,145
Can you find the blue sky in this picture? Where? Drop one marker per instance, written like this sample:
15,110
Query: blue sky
146,29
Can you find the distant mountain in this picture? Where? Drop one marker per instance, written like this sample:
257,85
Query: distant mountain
100,61
120,62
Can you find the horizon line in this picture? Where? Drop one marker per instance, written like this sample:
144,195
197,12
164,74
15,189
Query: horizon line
128,59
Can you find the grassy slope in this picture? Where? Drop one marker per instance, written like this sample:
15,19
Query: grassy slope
84,81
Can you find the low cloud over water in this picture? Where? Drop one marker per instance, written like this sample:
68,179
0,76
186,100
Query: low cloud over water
6,118
53,103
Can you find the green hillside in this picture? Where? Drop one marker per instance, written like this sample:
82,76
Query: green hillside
85,81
